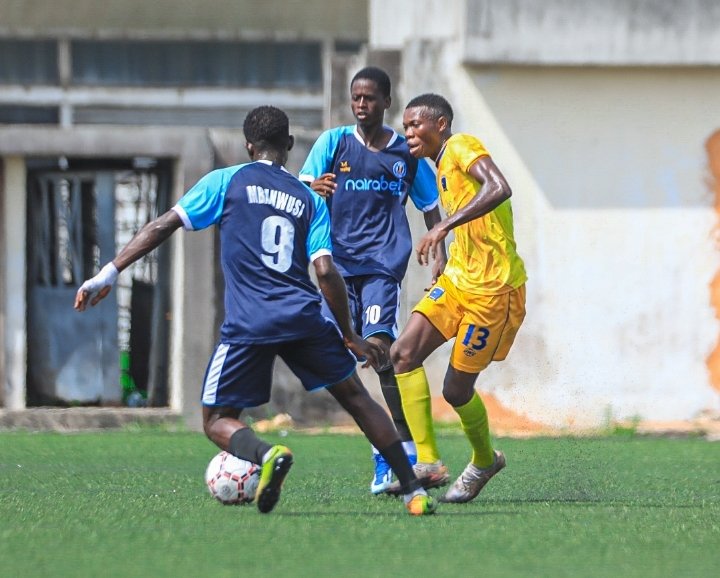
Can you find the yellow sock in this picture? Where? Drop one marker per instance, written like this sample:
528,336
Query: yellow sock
474,420
416,404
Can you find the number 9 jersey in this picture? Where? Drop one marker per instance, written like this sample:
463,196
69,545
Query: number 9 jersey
272,226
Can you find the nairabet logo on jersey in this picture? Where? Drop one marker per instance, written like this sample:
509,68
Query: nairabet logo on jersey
396,187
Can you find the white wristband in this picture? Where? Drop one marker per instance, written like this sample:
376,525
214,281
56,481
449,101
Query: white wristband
105,277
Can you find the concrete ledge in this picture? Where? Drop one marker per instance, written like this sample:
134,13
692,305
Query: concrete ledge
85,418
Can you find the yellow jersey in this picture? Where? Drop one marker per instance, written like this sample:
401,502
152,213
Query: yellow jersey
482,258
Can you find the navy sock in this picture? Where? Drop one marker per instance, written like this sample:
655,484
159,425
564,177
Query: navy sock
391,393
244,444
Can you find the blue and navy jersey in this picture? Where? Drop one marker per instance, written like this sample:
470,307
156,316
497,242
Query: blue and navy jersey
271,227
370,230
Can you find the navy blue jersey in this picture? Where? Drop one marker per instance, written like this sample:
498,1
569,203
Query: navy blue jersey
271,227
370,230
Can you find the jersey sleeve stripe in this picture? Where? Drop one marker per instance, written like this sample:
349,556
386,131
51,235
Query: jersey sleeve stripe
319,253
187,224
430,207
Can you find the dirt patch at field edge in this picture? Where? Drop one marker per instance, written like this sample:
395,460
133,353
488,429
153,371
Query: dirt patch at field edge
503,422
506,423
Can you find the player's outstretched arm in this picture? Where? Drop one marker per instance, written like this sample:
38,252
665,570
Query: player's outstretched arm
145,240
333,289
494,190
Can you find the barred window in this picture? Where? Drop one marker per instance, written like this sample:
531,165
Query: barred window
28,62
197,64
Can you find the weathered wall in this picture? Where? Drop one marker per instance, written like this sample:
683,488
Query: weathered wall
342,25
2,285
556,32
614,217
345,19
622,322
713,152
623,32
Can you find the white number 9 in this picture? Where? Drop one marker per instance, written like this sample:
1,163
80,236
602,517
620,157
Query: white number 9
277,238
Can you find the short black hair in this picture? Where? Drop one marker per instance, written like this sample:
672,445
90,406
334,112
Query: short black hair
437,105
377,75
267,125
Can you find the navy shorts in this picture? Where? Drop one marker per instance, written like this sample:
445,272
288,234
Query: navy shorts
240,375
374,304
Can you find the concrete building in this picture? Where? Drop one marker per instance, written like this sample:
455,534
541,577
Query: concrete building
604,118
108,113
601,114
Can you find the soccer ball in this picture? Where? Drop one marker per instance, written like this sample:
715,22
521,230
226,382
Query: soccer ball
232,480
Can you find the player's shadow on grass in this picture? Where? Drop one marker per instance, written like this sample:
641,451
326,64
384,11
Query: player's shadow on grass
590,502
451,510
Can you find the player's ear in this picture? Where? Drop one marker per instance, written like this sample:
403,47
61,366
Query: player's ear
443,124
291,142
250,148
388,102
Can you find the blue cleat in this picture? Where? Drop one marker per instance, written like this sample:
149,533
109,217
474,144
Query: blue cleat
383,479
383,475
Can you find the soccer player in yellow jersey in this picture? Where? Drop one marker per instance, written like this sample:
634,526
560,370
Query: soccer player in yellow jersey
479,299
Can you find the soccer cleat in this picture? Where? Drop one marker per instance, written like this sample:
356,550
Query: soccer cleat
472,480
431,475
272,476
383,475
421,505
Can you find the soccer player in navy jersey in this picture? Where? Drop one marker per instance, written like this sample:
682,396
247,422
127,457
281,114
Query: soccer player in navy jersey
366,173
272,227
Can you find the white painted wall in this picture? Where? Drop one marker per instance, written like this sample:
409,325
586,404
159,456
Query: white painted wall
614,217
626,256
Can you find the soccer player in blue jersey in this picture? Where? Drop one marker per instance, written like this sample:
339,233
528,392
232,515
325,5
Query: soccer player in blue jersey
366,173
272,227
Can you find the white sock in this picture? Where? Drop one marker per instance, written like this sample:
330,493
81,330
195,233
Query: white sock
409,448
266,455
411,495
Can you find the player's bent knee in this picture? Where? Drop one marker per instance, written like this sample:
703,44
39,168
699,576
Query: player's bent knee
400,357
456,398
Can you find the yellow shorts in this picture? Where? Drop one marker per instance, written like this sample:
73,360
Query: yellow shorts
484,326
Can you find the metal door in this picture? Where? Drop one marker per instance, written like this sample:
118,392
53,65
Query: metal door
72,357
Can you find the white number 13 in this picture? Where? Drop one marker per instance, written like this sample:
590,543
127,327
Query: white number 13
277,238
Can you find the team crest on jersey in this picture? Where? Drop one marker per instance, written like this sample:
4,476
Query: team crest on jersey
443,183
345,167
468,352
436,293
400,169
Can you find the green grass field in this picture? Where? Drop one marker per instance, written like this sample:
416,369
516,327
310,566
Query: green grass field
134,504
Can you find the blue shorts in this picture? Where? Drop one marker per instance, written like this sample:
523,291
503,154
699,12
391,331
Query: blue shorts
240,375
374,305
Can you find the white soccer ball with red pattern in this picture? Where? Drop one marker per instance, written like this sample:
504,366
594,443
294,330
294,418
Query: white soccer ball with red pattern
232,480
